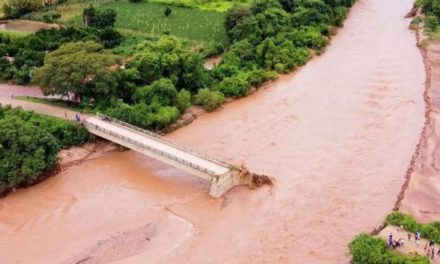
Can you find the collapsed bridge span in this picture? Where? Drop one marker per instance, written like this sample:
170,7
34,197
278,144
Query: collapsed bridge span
221,175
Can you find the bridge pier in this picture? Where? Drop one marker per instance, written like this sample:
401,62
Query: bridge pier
221,184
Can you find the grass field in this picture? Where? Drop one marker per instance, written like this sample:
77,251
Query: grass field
189,23
13,33
1,8
215,5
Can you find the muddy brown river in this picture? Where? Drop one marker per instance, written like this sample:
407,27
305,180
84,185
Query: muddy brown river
338,136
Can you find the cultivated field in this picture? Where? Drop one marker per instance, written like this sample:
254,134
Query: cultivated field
1,8
217,5
188,23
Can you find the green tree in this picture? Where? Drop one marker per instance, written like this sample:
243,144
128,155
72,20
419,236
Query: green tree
154,116
208,99
99,18
366,249
288,5
167,58
234,15
80,68
183,100
127,79
167,11
234,86
161,92
259,6
17,8
25,152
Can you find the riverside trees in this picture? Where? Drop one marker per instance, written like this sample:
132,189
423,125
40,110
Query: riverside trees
163,75
79,68
29,145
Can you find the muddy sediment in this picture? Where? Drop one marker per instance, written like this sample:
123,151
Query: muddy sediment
337,136
423,189
416,158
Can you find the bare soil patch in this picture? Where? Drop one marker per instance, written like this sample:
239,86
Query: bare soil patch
25,25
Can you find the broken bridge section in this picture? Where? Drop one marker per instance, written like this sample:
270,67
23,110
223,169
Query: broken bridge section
221,175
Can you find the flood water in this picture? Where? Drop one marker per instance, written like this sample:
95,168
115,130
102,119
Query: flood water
337,136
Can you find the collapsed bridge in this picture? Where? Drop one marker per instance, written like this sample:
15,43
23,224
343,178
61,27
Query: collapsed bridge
221,175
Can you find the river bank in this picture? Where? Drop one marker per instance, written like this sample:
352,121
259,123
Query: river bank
421,196
337,136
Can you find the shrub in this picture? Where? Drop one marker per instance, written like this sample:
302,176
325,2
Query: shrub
183,100
309,17
26,151
153,116
168,58
225,70
259,6
234,15
99,18
208,99
17,8
29,145
288,5
161,92
282,57
306,37
366,249
109,37
23,75
258,77
66,133
167,11
51,17
7,70
340,15
431,23
430,231
235,86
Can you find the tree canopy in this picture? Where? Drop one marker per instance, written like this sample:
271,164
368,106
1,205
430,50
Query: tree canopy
25,152
81,68
29,144
168,58
99,18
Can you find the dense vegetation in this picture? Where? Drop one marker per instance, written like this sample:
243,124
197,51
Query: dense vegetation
366,249
429,231
431,9
16,8
91,65
157,78
29,51
29,144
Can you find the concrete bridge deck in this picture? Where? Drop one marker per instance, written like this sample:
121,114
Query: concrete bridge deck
221,175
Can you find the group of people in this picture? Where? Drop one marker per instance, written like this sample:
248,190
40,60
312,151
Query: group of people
428,248
395,243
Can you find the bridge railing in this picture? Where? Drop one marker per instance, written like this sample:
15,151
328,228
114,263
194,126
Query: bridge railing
154,150
162,139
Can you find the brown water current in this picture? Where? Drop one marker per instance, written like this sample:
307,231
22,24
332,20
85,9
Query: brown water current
338,137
